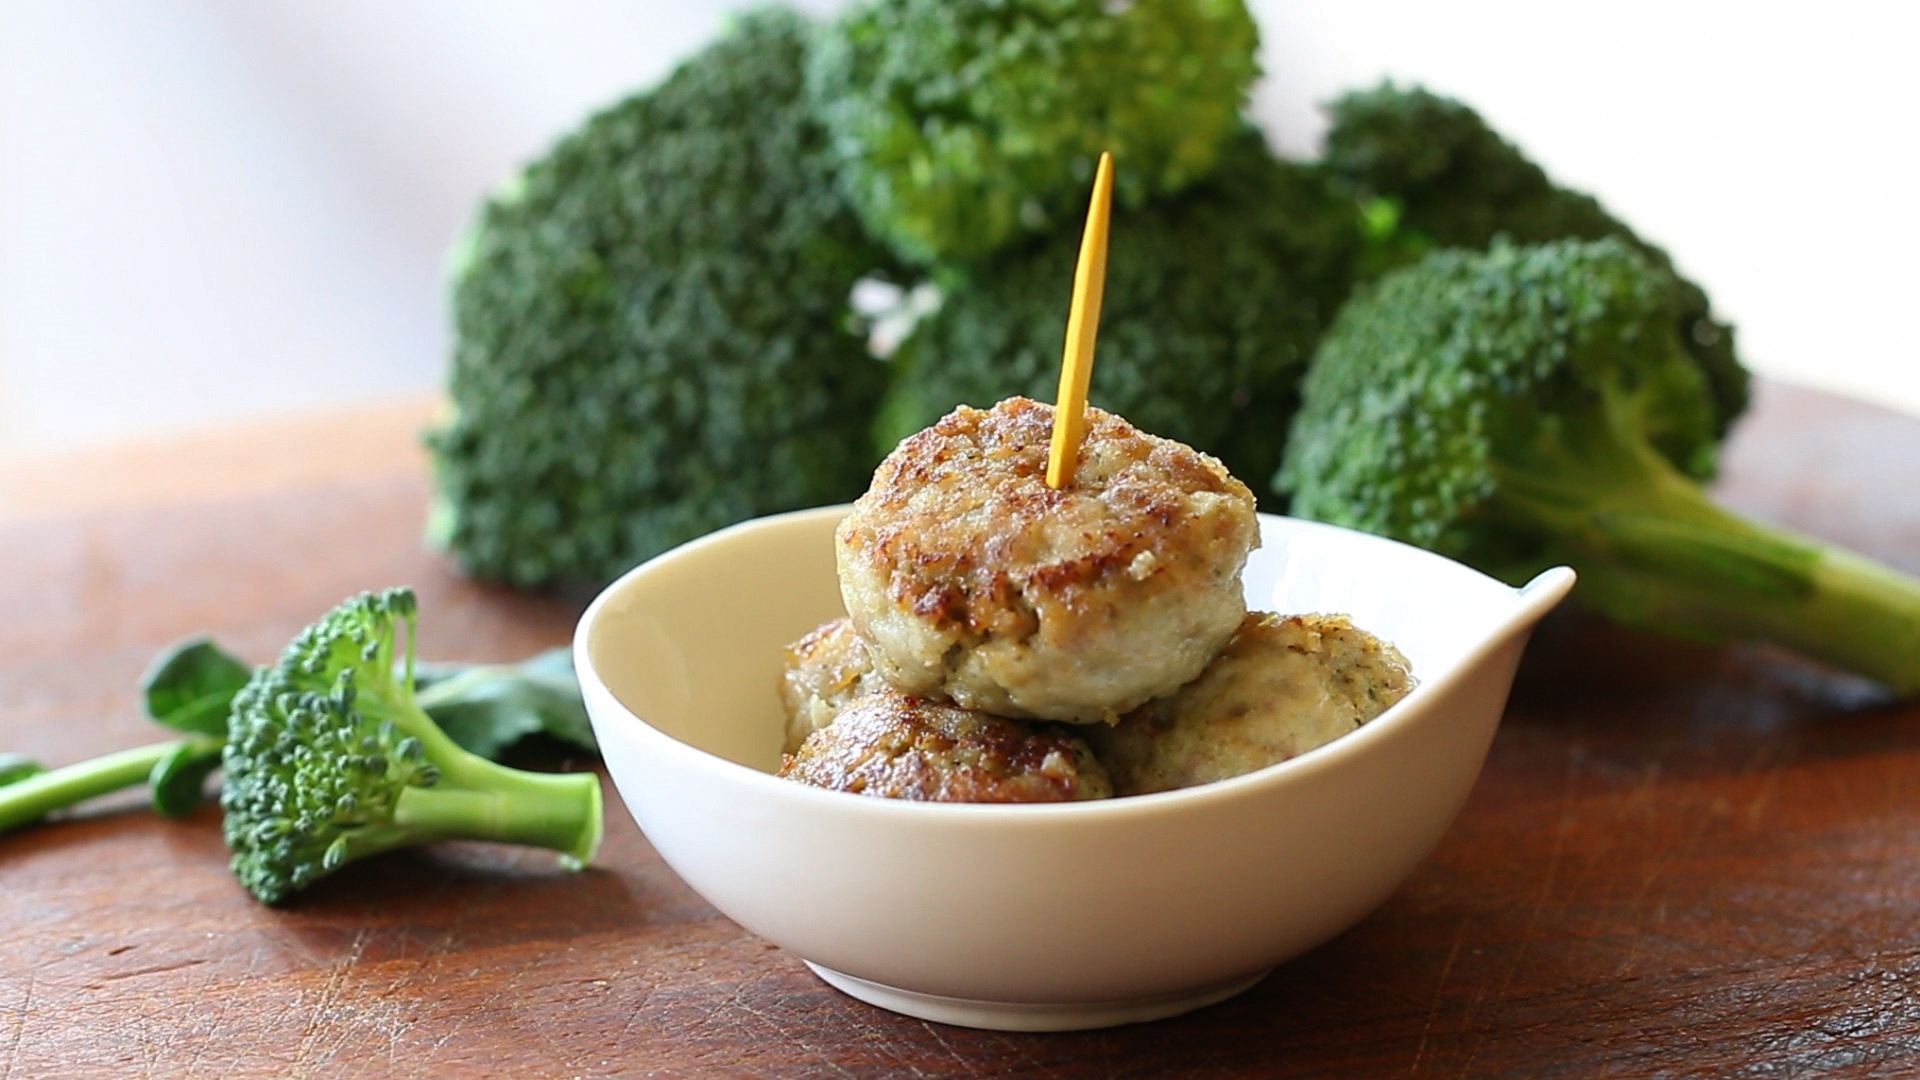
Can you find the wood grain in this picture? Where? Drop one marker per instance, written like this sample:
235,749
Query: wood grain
1680,860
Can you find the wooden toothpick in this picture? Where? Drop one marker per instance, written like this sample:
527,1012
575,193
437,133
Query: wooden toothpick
1083,323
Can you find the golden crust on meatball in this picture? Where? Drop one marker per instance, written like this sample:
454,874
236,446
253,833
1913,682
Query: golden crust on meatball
971,579
1280,688
898,746
824,670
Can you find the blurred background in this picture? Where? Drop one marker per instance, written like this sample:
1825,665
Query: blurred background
219,209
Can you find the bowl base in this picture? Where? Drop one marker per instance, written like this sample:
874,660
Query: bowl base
1019,1016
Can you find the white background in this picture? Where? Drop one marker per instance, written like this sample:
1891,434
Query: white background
218,208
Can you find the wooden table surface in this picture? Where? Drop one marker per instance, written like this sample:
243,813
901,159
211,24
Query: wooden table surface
1679,860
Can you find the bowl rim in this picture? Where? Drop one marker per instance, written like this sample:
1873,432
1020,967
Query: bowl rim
1531,602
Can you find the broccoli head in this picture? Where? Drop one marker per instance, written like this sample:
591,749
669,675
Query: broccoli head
1213,302
1437,176
1528,406
959,124
330,758
652,328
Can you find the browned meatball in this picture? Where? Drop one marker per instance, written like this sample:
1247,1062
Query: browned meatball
898,746
1280,688
824,670
970,579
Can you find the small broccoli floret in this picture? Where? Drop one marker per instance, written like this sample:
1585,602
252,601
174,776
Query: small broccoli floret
1528,406
1214,301
489,708
652,326
962,123
1438,176
330,759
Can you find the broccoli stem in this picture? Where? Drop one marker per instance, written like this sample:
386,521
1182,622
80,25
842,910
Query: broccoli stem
559,811
1654,550
1714,574
453,687
477,799
30,800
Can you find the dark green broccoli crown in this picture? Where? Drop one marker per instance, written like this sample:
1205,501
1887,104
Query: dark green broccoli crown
1454,182
1444,376
1213,303
653,337
962,123
312,780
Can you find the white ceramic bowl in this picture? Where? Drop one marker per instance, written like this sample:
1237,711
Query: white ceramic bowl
1054,916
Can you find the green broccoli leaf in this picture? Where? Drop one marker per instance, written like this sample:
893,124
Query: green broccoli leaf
17,767
488,708
179,780
190,687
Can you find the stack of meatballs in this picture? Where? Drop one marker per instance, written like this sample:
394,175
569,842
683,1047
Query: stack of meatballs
1009,642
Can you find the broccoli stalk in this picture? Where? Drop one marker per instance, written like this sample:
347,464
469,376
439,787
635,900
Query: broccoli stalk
162,764
472,798
1528,406
459,797
1653,549
331,758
